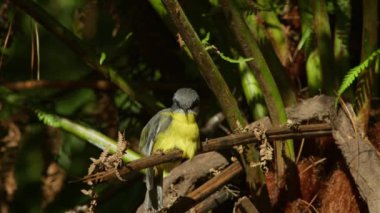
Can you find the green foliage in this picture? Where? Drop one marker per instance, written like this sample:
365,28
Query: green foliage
307,29
73,101
103,57
9,103
135,46
206,39
314,74
353,74
48,119
306,37
252,92
159,8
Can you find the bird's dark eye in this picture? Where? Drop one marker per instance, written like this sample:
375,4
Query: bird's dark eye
195,104
175,103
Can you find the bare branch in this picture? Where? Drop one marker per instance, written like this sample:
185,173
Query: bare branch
279,133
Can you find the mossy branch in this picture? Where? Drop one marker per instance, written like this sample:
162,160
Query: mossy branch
207,67
258,66
85,53
260,69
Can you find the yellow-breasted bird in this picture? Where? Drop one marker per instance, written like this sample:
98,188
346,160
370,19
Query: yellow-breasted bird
171,128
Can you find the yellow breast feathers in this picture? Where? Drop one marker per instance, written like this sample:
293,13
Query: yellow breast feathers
182,134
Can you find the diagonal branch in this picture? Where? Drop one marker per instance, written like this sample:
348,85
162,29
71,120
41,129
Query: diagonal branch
213,201
207,67
260,69
206,189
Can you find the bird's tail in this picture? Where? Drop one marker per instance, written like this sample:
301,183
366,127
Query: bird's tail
154,194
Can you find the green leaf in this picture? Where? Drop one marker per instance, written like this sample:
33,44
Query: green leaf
314,73
304,39
103,57
206,39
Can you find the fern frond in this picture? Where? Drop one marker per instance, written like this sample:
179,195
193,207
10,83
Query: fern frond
48,119
353,74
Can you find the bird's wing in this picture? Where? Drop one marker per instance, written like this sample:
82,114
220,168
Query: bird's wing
156,124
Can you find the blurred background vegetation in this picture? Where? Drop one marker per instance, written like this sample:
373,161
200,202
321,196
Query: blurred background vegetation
308,47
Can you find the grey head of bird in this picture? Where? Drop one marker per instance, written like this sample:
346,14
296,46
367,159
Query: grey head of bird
187,100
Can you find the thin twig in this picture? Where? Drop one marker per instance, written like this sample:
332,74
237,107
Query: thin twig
312,165
300,150
33,84
93,84
310,204
37,50
6,43
32,55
